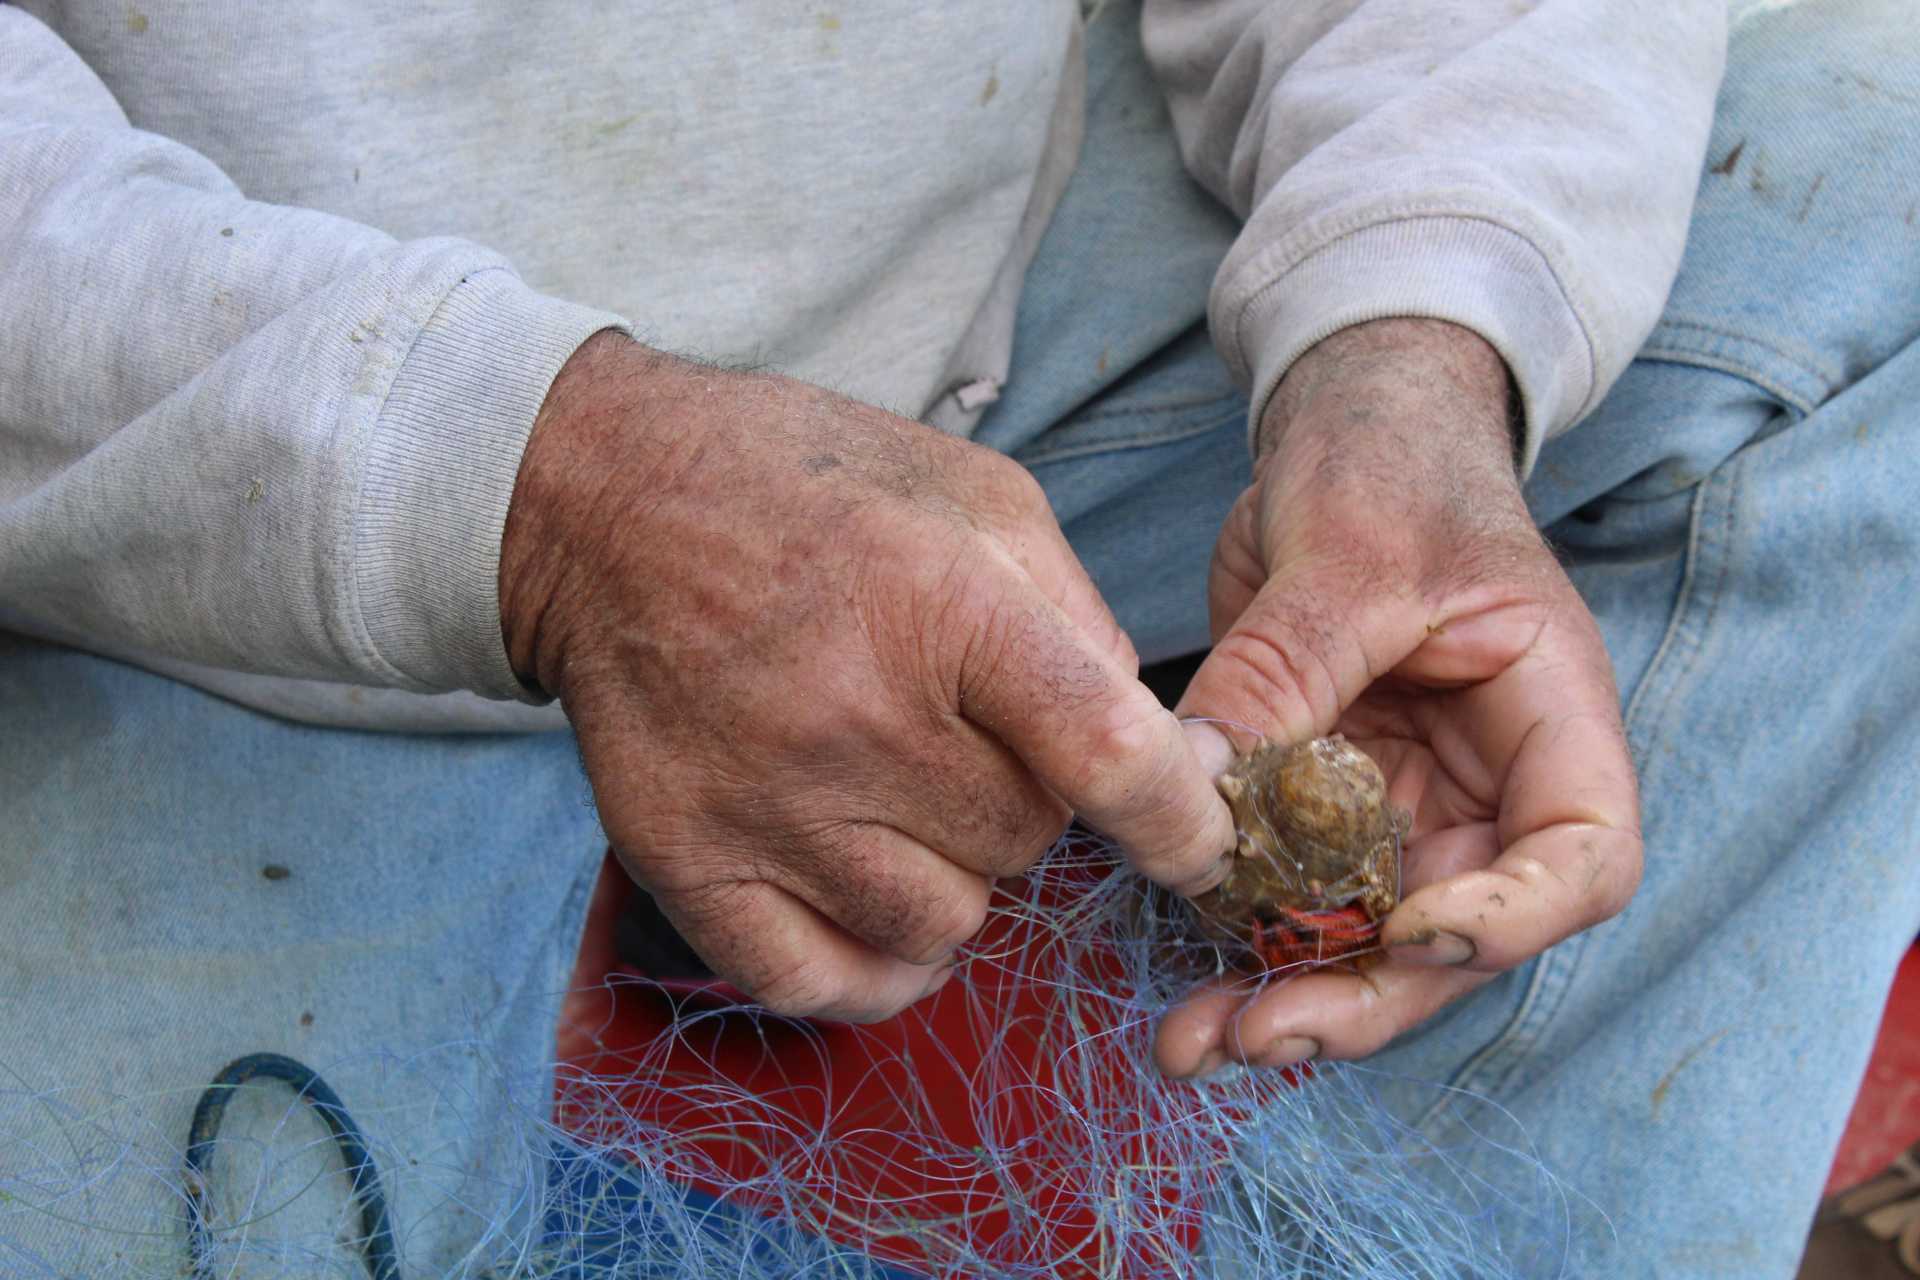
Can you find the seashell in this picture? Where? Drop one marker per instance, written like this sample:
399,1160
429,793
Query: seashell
1318,859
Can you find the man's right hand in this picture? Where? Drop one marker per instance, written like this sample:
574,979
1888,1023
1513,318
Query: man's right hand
831,671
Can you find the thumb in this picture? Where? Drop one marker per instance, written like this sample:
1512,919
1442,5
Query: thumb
1098,739
1310,643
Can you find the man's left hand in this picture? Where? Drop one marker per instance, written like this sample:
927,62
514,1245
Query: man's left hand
1381,578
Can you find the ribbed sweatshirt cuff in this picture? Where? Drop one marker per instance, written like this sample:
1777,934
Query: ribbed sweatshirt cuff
1470,271
440,472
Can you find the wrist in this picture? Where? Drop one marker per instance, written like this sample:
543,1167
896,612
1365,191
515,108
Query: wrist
1392,372
1387,447
557,479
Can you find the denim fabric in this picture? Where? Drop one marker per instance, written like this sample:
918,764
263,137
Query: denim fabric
184,881
1741,515
1116,401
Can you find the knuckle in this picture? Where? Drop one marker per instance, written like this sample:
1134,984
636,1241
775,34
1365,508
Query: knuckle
894,909
1369,1037
1131,774
1283,666
1049,822
1015,853
707,905
1024,489
1011,483
948,925
1122,741
966,607
1006,502
801,991
1006,828
1003,828
867,1013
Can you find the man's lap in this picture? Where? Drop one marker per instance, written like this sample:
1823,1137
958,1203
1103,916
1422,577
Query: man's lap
1738,514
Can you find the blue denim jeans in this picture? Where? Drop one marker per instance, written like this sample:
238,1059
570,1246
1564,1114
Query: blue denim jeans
183,881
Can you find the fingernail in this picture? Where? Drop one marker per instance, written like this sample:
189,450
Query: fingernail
1210,746
1288,1050
1433,947
1216,875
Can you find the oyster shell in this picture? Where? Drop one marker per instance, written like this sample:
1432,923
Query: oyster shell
1318,862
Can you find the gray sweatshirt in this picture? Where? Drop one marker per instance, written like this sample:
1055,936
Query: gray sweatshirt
282,286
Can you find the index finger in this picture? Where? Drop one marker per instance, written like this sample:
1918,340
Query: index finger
1098,739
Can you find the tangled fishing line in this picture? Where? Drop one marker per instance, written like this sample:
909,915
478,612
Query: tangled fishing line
1012,1126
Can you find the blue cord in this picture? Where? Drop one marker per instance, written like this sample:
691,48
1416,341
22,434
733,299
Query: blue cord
376,1232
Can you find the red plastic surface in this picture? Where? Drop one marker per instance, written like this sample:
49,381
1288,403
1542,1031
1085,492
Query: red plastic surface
849,1082
862,1096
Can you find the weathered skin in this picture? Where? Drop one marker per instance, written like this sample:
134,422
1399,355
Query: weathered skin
1319,856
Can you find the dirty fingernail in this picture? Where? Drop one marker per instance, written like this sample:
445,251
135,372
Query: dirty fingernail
1210,746
1433,947
1288,1050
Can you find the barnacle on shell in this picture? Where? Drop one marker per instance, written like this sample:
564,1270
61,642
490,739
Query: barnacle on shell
1318,860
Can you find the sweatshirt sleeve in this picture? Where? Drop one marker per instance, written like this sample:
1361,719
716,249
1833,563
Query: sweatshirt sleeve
244,436
1524,168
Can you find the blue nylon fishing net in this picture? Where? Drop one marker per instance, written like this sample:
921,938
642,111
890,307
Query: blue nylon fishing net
1027,1134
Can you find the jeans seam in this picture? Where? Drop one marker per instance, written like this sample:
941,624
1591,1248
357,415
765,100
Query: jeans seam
1708,551
1493,1065
1806,400
1157,406
1137,440
1799,403
1492,1068
1804,360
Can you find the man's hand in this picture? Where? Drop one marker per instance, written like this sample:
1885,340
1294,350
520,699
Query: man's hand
831,672
1381,578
